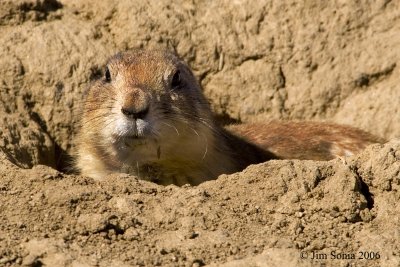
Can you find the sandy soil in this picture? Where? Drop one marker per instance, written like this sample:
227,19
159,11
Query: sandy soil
332,61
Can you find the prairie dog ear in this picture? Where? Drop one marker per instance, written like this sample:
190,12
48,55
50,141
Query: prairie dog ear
176,81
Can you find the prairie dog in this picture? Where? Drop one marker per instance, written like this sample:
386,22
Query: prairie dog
148,116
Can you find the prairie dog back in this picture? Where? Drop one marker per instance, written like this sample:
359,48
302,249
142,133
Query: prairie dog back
306,140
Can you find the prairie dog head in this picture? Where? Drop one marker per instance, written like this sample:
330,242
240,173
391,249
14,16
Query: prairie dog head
147,108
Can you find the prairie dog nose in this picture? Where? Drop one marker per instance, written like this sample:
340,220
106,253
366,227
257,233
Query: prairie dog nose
135,114
135,104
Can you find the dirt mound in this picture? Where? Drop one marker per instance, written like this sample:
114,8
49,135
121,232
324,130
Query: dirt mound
270,212
332,61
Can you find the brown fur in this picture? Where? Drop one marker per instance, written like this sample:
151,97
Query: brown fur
306,140
145,121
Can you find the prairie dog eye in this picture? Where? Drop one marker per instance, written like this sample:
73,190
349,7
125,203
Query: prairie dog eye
176,81
107,75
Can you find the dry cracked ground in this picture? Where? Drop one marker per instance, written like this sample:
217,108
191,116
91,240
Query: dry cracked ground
336,61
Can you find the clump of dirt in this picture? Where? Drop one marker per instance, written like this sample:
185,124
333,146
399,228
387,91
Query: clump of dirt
264,60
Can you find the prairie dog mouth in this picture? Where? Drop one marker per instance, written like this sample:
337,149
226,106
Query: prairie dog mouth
131,138
132,129
135,137
135,142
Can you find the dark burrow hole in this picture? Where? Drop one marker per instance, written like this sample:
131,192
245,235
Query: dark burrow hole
45,6
364,188
37,263
118,230
224,119
367,194
64,161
